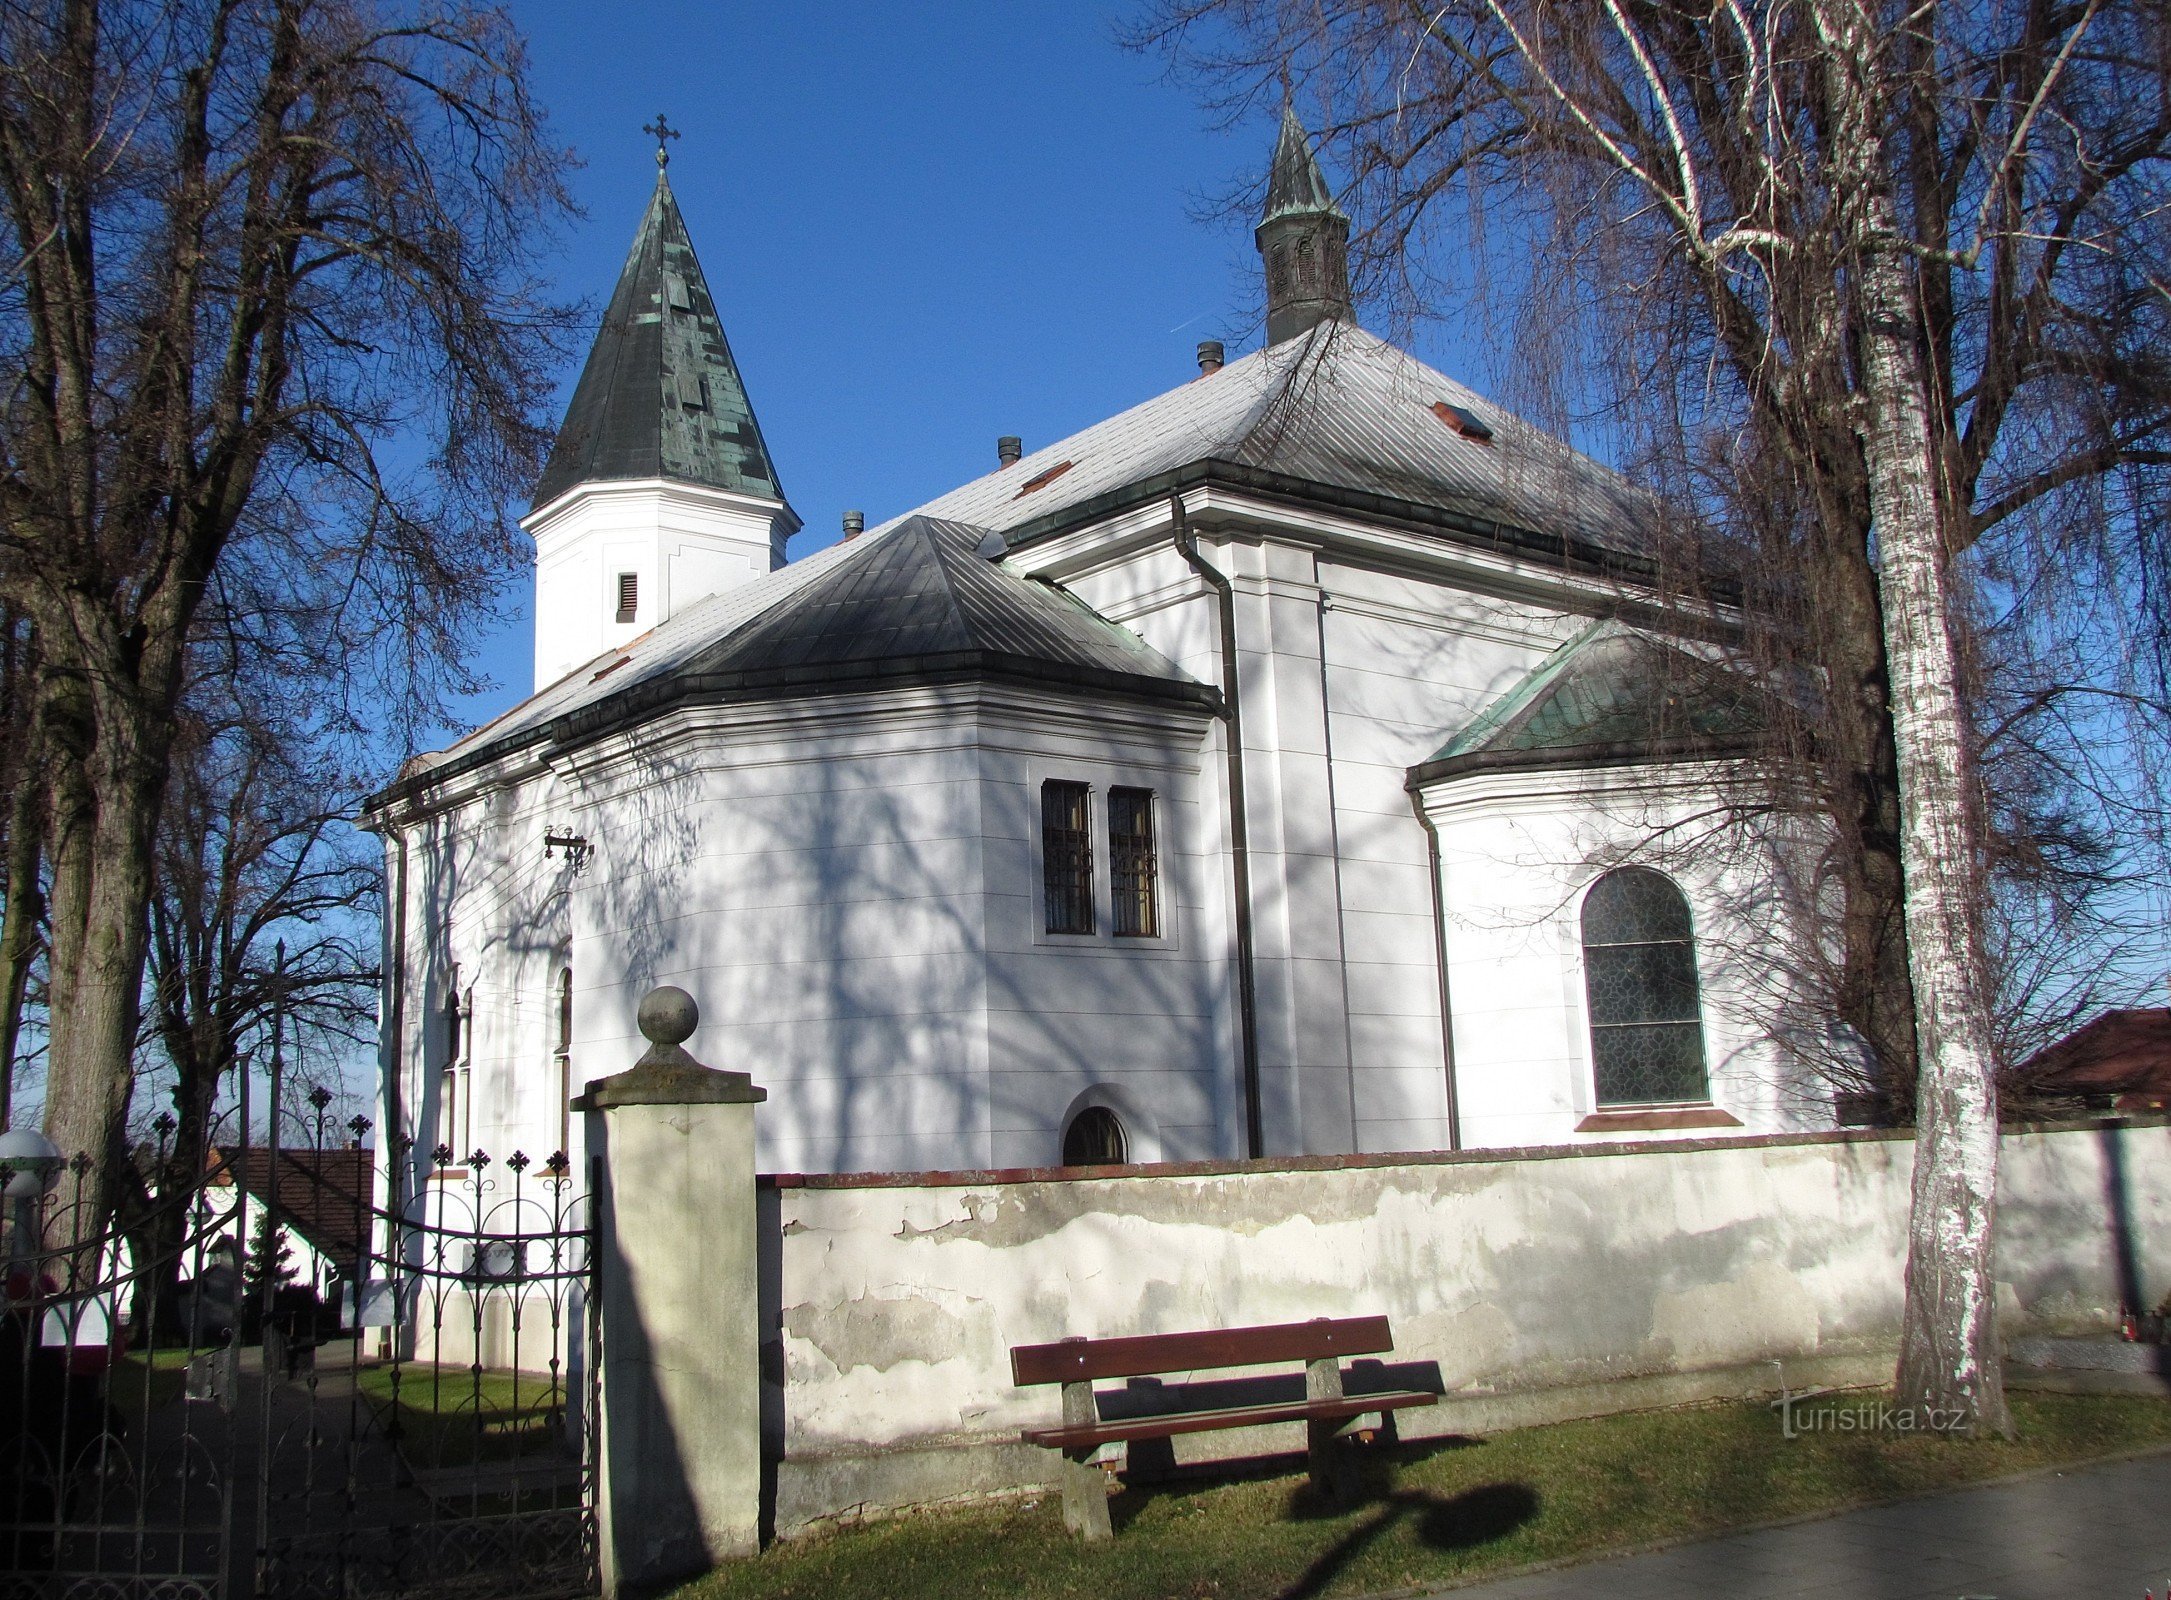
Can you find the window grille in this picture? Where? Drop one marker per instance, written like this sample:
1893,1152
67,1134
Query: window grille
1066,848
1095,1139
629,595
1133,865
1639,976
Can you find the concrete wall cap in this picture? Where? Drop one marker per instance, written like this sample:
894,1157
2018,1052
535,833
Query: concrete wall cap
685,1082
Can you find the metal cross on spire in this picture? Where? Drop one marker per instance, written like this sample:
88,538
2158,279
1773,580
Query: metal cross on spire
662,131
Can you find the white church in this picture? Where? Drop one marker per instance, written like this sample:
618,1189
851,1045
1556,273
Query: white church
1270,769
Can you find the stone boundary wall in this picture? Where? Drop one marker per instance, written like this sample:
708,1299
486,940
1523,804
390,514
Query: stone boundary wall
1526,1285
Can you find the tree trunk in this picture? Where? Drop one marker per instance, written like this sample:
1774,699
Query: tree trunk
1950,1368
107,783
1875,994
19,926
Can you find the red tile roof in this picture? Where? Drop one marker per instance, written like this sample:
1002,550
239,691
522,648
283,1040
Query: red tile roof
2123,1054
324,1195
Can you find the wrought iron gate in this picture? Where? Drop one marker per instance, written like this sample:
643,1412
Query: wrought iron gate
418,1420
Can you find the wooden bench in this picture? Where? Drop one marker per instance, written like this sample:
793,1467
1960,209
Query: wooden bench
1328,1413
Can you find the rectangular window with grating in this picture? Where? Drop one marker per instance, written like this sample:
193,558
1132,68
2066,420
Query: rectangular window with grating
1133,867
629,595
1066,851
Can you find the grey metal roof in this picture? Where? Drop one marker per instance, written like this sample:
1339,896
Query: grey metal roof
1295,183
661,396
913,600
1336,411
1612,693
922,594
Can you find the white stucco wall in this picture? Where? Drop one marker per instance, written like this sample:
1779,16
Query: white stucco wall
850,887
1518,852
1540,1284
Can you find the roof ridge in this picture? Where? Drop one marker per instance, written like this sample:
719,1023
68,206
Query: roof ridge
925,527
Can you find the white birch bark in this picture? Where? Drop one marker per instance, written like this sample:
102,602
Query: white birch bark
1950,1367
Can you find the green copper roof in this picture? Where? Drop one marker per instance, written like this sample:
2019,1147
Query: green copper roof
1612,693
1295,184
660,396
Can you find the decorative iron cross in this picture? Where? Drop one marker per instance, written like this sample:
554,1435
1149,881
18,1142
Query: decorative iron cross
662,131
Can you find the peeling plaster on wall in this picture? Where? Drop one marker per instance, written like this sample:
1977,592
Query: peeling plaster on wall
882,1332
1527,1287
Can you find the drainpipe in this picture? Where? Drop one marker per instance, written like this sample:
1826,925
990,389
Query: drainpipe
1247,999
1439,945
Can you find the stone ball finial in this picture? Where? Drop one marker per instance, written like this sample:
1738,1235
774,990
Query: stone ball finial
668,1016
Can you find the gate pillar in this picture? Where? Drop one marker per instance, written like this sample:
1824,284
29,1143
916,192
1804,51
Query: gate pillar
679,1457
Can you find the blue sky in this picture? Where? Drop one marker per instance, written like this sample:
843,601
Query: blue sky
925,226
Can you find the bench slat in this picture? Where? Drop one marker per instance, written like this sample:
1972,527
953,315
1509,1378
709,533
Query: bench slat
1171,1423
1071,1360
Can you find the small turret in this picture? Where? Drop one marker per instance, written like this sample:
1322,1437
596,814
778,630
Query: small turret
660,489
1303,239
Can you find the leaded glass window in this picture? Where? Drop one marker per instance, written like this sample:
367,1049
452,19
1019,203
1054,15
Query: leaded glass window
1639,975
1066,855
1132,863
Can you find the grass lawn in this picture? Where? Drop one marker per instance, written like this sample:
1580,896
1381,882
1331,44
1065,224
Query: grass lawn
1433,1511
448,1416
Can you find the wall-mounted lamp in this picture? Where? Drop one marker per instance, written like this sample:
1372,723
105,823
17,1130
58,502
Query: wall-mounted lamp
575,846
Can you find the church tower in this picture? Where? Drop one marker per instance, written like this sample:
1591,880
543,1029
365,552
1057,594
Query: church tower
659,490
1304,240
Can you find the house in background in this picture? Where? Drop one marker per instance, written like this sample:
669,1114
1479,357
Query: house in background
2119,1062
1273,768
323,1203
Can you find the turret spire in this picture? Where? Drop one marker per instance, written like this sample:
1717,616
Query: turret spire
1303,239
661,396
660,489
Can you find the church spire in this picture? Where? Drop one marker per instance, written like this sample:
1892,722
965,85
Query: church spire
1303,239
661,396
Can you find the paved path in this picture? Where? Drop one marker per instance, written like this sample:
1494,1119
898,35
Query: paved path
2087,1533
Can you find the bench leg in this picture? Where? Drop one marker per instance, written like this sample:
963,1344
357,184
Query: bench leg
1085,1496
1332,1463
1333,1469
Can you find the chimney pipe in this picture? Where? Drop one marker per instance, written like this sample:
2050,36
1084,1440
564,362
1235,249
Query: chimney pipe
1211,356
1007,450
855,524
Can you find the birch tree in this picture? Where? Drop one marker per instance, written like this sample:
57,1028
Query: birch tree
271,300
1896,277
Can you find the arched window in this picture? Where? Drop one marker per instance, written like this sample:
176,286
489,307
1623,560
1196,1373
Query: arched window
1639,975
565,1058
1095,1139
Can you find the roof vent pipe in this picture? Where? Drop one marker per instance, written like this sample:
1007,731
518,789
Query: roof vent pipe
1211,356
1007,450
855,524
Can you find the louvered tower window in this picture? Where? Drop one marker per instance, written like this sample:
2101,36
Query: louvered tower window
1066,855
1133,863
629,595
1639,975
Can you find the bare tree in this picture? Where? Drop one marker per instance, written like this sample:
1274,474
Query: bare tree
1891,284
263,916
271,306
